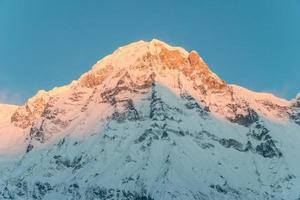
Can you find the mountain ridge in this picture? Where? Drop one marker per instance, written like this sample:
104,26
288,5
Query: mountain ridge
151,121
142,60
153,41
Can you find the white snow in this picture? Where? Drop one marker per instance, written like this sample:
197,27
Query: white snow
190,161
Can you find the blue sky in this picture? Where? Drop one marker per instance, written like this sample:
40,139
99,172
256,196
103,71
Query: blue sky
44,44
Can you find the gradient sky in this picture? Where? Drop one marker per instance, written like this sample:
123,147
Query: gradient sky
43,44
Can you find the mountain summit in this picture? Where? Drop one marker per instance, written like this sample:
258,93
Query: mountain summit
150,121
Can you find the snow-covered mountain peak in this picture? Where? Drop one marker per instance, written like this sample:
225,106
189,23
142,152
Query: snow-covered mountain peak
139,65
128,55
150,121
139,59
156,51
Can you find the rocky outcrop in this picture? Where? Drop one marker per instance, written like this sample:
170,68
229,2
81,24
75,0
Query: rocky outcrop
31,111
295,110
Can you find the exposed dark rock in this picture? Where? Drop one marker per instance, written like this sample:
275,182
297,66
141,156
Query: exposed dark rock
228,143
249,147
41,189
37,133
193,104
295,116
268,149
148,133
225,189
259,132
22,188
206,145
246,120
101,193
75,163
6,194
61,143
126,84
29,148
158,109
218,188
74,191
164,135
127,112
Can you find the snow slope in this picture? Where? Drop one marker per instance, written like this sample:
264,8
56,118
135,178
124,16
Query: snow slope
150,121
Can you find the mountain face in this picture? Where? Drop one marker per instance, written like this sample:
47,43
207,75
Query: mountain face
150,121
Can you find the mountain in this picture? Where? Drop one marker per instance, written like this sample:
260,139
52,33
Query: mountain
150,121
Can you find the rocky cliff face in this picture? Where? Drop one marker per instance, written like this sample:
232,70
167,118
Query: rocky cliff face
295,113
151,121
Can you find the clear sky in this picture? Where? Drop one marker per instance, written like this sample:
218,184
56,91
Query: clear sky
43,44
